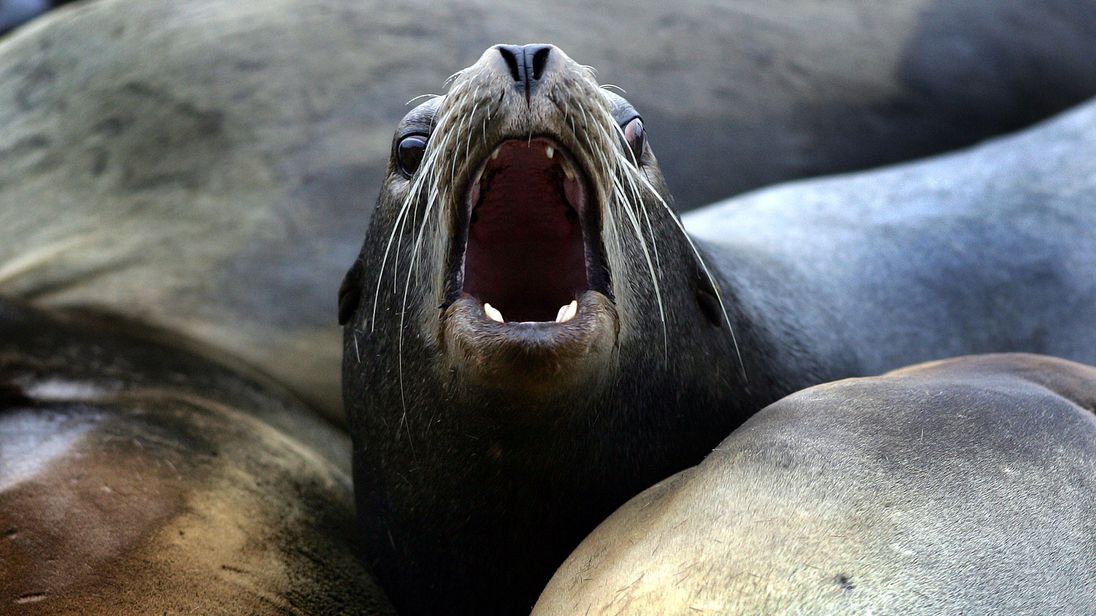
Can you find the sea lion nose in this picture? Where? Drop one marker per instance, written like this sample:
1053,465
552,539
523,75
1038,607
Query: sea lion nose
527,64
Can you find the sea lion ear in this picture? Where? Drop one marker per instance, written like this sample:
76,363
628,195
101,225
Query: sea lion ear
707,297
350,292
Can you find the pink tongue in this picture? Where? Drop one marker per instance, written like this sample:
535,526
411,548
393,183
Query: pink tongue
525,250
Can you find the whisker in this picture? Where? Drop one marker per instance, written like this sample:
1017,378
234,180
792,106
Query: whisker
456,159
619,188
646,184
433,198
420,97
397,232
638,201
412,195
703,266
471,117
425,169
620,198
397,229
430,177
586,118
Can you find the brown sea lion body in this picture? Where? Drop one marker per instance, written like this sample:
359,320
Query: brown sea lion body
140,478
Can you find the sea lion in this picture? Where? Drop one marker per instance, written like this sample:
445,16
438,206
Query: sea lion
956,487
16,12
531,336
139,478
203,166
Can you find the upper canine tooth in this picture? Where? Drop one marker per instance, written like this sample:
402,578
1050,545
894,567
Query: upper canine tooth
495,154
493,313
568,312
550,151
570,173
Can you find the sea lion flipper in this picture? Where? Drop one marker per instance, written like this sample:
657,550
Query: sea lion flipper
350,292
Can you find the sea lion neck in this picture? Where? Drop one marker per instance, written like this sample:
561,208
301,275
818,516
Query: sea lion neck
452,498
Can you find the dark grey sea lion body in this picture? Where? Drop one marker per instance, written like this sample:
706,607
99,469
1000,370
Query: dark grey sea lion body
16,12
206,166
989,249
965,486
139,478
489,437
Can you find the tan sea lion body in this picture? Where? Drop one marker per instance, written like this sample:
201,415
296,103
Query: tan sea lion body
963,486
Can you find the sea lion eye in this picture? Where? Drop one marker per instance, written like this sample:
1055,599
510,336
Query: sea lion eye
633,133
409,153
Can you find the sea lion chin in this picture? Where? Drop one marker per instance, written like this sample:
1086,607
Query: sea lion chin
538,361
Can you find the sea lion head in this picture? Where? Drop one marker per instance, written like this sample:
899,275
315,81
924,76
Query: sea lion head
524,238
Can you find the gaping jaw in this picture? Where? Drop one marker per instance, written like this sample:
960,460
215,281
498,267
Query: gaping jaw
529,239
529,284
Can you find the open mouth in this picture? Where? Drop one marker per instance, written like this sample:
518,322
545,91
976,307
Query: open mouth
528,238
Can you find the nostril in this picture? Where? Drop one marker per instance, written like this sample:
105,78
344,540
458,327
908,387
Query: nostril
527,64
540,59
510,54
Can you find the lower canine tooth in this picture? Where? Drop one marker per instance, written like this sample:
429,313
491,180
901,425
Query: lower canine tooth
493,313
562,311
568,312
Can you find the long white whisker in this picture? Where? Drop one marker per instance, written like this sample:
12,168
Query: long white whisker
420,97
624,170
642,178
428,176
426,169
703,266
618,188
397,229
471,116
431,200
637,200
456,159
620,198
